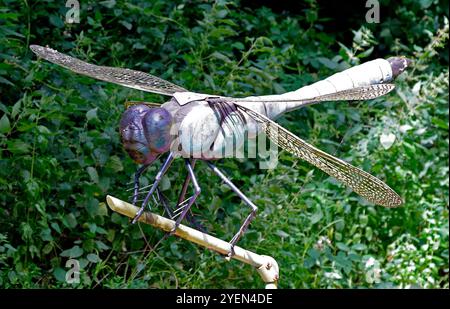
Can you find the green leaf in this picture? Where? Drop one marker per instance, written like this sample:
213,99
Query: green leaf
363,219
328,63
5,126
108,3
60,274
92,114
281,233
5,81
70,221
165,183
138,45
369,233
46,235
425,3
366,53
56,227
101,245
47,248
126,24
92,174
238,45
316,217
342,246
18,146
9,15
359,247
93,258
443,124
220,56
102,209
73,252
3,108
57,21
44,130
313,253
221,13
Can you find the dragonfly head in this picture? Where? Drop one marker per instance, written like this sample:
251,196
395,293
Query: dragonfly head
145,132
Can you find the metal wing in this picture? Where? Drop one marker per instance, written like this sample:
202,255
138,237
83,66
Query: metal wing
124,77
149,104
357,93
366,185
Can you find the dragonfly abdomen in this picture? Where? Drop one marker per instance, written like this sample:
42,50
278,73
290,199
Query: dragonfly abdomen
376,72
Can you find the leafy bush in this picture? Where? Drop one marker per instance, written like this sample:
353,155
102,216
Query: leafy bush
61,154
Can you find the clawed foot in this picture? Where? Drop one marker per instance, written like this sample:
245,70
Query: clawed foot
138,215
231,253
232,244
173,230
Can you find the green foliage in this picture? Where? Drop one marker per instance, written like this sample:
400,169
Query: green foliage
61,154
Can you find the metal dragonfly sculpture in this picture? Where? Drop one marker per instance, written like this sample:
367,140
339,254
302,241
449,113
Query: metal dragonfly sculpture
207,124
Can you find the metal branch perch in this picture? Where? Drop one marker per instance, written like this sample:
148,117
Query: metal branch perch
266,266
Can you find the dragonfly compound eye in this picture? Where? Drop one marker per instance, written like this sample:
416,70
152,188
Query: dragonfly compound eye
157,123
132,133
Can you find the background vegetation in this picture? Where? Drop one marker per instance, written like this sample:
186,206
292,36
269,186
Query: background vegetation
60,153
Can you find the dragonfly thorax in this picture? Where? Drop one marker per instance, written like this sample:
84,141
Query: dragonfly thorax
145,132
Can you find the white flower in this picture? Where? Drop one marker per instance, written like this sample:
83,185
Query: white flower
333,275
404,128
411,247
370,262
436,245
321,242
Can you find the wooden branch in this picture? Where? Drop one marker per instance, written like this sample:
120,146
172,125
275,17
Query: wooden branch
266,266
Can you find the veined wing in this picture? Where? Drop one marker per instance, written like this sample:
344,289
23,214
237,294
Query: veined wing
357,93
124,77
361,82
366,185
149,104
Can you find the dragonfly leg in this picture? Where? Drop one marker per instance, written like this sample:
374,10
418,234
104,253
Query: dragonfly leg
162,199
189,215
158,177
187,180
190,176
136,182
245,199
